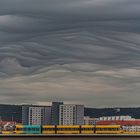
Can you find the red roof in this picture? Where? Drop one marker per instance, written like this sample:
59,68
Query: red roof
5,122
119,122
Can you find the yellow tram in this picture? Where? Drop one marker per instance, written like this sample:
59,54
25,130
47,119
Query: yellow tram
74,129
87,129
108,129
63,129
48,129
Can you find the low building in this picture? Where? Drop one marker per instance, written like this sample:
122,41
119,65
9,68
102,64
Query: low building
133,128
89,121
126,125
116,118
7,126
119,122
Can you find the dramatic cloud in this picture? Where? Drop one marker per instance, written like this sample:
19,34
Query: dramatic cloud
77,51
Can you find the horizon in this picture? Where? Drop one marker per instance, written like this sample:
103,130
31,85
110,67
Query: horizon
50,103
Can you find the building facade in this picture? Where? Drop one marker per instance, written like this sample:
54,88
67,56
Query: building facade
131,128
116,118
47,116
55,112
25,114
71,114
89,121
36,115
126,125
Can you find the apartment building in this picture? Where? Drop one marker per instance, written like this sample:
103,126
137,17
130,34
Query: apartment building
71,114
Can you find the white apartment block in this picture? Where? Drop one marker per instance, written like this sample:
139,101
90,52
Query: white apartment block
71,114
35,115
39,115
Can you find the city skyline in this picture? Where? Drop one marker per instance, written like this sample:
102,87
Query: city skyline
77,51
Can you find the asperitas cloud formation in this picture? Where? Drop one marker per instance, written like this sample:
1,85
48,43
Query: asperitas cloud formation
78,51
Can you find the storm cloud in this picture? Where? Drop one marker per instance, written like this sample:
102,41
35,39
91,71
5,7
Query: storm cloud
77,51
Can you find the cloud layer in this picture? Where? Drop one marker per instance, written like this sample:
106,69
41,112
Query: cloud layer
78,51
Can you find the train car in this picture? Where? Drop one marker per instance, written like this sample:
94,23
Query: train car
48,129
63,129
28,129
87,129
108,129
130,132
7,132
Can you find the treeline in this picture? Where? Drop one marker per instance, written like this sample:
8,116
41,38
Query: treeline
98,112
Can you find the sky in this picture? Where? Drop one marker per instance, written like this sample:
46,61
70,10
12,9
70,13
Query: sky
76,51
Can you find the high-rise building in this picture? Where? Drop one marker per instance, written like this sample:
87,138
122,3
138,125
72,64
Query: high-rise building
47,116
55,112
36,115
25,114
71,114
11,113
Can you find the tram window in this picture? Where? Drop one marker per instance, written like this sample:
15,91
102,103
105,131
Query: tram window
49,129
112,129
37,129
19,129
67,129
88,129
60,129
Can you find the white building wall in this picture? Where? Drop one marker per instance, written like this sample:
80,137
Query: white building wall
67,114
71,114
35,115
131,128
116,118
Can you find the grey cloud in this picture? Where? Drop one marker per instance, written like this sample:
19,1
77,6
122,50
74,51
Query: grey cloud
77,51
74,9
88,87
